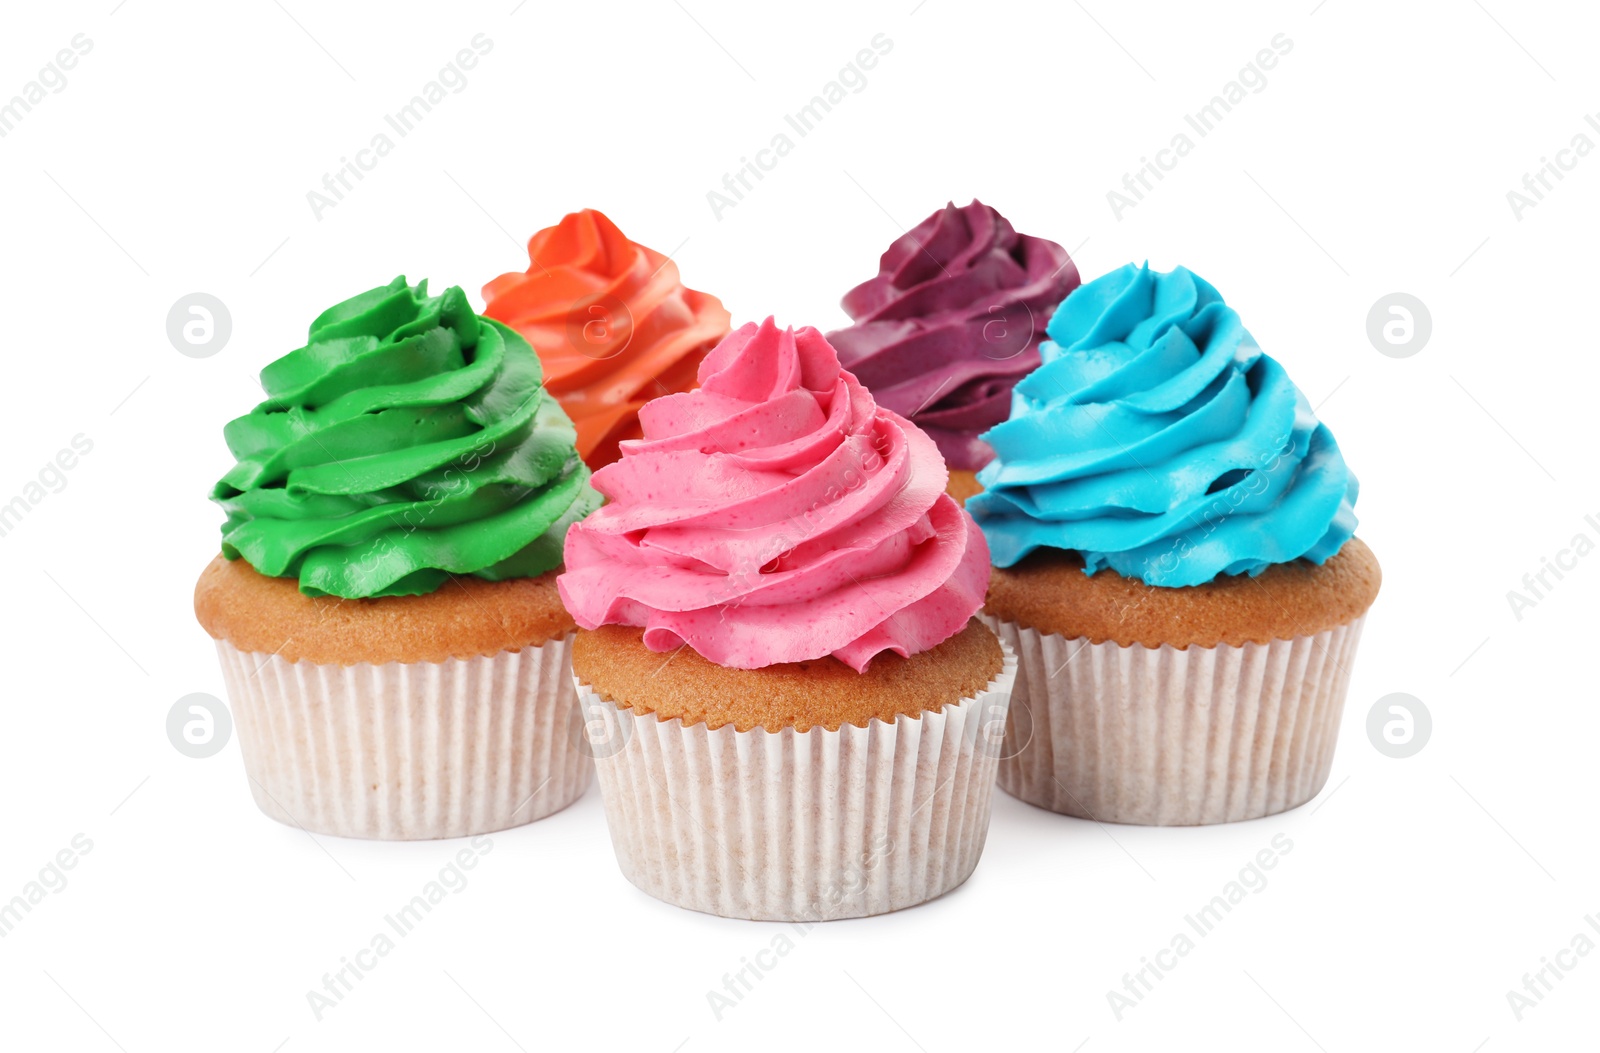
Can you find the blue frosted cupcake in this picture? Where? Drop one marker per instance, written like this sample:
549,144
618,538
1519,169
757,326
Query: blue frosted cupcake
1175,566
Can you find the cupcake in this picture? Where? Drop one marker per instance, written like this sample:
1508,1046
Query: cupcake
951,323
1175,566
384,606
612,323
794,713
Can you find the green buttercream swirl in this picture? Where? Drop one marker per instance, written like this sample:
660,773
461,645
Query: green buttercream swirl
409,440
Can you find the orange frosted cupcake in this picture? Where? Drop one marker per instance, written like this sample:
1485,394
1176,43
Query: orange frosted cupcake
612,323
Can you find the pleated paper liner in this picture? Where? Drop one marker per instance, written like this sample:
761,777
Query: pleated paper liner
1169,737
800,826
410,751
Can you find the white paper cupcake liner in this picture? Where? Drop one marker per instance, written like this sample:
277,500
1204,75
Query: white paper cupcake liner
1169,737
409,751
800,826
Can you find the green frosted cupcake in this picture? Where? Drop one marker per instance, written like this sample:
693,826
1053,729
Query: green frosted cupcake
384,604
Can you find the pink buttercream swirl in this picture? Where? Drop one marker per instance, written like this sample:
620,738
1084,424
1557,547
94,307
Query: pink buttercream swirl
777,514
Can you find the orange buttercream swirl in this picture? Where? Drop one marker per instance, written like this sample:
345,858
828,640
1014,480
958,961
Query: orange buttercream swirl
612,323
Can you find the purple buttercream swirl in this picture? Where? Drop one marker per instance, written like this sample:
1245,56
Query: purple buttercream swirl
951,323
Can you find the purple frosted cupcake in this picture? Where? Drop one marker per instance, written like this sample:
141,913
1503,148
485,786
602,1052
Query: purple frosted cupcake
951,323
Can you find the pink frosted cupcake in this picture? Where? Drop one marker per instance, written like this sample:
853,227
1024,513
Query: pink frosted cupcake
794,712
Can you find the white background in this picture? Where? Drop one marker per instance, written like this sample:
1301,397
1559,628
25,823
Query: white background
1377,159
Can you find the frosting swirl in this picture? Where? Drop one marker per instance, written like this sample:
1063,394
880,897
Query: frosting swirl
952,321
612,323
407,441
777,514
1157,440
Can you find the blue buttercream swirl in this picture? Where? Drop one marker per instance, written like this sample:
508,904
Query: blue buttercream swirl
1157,440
